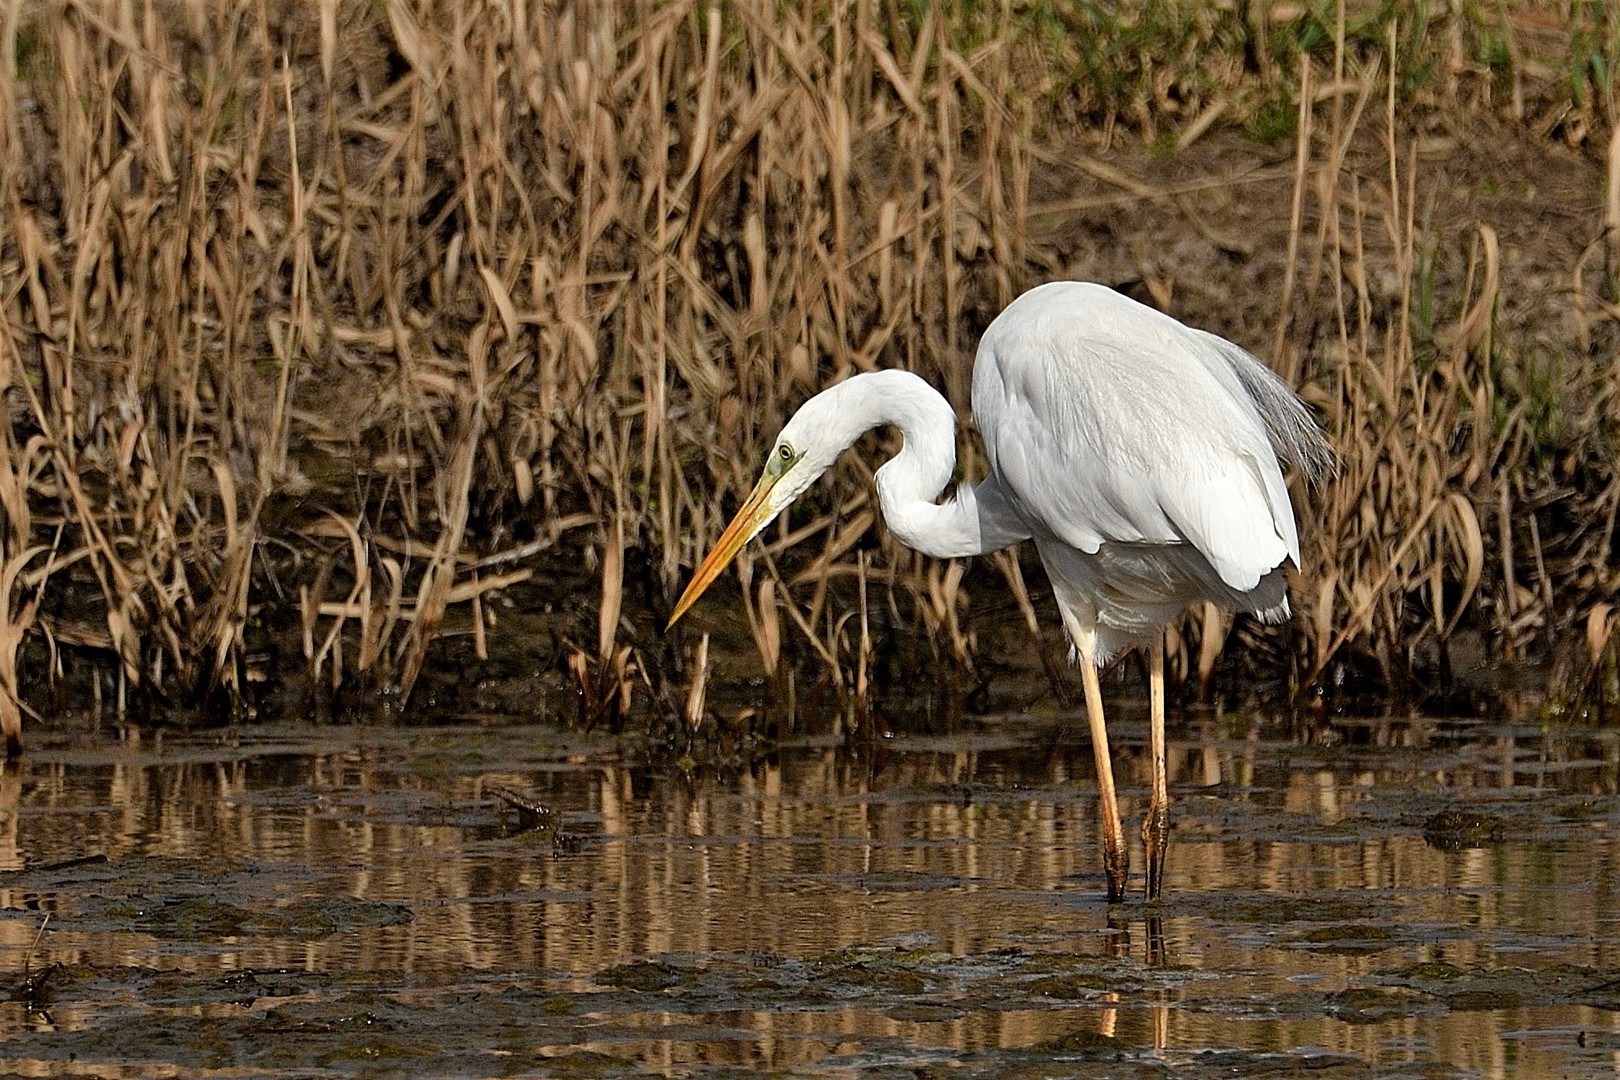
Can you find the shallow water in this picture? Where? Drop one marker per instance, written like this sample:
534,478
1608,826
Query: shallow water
1404,898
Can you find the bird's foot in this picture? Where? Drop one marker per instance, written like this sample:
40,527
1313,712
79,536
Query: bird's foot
1156,840
1117,865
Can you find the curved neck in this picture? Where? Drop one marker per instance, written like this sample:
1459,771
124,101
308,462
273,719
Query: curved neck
910,482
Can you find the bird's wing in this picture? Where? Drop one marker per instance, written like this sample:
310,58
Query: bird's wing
996,512
1108,422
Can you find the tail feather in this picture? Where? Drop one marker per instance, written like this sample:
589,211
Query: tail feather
1290,427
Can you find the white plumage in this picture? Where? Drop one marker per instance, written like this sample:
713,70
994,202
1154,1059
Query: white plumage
1143,446
1139,454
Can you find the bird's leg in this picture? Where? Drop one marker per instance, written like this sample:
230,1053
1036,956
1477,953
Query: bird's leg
1156,826
1116,859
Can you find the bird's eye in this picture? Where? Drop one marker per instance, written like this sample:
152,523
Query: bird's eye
785,452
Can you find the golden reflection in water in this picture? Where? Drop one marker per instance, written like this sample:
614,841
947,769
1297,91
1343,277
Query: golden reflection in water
958,849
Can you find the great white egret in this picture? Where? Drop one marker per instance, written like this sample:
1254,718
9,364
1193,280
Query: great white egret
1138,453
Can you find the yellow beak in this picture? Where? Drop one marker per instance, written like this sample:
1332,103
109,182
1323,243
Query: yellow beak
755,514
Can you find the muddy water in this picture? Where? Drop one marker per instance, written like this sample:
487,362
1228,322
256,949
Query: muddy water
1426,898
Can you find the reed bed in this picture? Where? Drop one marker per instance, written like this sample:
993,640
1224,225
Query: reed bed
342,315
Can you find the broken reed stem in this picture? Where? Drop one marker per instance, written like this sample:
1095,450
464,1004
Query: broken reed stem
863,656
461,271
695,697
612,588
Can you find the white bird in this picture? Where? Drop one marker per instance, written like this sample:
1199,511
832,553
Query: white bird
1138,453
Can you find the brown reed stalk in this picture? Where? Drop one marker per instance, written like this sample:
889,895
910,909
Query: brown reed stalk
17,610
1403,501
764,618
457,272
603,682
696,695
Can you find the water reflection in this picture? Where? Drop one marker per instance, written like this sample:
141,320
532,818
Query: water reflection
1301,873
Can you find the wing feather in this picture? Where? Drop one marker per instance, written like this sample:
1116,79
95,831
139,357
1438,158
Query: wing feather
1110,423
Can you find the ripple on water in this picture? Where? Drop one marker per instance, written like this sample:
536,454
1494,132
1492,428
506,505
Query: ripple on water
1422,898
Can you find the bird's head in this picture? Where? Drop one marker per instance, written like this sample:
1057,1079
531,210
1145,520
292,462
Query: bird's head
806,448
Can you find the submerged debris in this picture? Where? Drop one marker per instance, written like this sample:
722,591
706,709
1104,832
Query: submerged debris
537,816
1456,830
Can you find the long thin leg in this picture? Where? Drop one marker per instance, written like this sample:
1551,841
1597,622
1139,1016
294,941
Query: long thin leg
1116,859
1156,826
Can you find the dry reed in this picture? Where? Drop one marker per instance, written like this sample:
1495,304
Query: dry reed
336,300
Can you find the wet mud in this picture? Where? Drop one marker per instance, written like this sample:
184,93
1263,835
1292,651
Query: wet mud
1390,899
